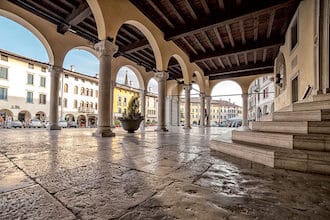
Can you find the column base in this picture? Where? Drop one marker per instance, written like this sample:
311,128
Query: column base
161,129
103,132
53,127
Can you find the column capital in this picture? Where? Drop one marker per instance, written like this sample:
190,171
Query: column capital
56,69
208,98
202,95
143,92
175,98
105,48
187,87
161,76
245,95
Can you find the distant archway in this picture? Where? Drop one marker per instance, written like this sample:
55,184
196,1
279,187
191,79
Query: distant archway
41,115
5,113
24,115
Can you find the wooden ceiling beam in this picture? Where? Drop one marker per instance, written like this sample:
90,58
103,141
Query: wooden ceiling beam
189,45
221,63
256,28
77,16
228,61
128,33
199,43
222,19
264,55
177,14
208,41
190,9
159,12
252,72
241,27
231,39
237,50
206,65
221,4
270,23
217,34
246,59
213,65
139,45
205,7
237,60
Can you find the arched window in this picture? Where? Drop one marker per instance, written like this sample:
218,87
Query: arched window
75,90
82,104
75,104
91,104
87,92
65,103
95,106
66,88
82,91
91,92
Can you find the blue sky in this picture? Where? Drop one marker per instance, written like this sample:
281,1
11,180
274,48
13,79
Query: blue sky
15,38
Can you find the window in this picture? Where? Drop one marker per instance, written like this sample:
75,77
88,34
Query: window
96,106
3,73
87,92
43,81
66,88
91,92
75,90
82,91
119,110
59,101
42,99
31,66
30,79
125,102
66,76
65,103
3,93
43,69
119,100
4,58
96,93
294,33
82,80
75,104
76,78
29,97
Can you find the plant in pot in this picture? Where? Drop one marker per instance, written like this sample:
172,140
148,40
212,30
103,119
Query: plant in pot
132,119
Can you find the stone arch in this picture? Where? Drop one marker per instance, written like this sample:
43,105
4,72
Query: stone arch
136,72
151,39
99,19
4,113
183,66
41,115
34,30
147,83
24,115
200,81
220,81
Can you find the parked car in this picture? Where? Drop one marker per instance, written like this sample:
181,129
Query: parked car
35,123
72,124
63,124
16,124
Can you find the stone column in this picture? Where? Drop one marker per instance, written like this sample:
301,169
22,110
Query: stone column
187,89
161,78
245,123
55,73
143,106
324,44
105,50
112,87
169,110
208,111
202,118
178,111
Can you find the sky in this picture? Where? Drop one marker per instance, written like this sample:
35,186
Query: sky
17,39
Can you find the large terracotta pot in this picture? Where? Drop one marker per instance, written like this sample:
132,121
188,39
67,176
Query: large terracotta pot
130,125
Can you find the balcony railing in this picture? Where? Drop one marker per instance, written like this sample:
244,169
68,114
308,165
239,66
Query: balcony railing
86,110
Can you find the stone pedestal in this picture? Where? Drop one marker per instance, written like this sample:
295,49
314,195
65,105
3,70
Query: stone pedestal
161,78
105,50
187,89
55,74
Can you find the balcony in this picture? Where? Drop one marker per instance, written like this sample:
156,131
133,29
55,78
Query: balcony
86,110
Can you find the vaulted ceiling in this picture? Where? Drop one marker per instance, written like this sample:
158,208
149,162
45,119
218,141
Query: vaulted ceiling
225,38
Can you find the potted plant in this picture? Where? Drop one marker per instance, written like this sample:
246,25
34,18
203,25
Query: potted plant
132,119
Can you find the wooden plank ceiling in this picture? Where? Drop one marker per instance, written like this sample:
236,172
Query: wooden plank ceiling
226,38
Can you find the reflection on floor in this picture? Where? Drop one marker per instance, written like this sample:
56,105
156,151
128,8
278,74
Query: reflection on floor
70,174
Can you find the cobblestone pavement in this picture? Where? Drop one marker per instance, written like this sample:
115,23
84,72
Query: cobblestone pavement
70,174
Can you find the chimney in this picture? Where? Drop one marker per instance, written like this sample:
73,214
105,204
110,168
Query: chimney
96,75
72,68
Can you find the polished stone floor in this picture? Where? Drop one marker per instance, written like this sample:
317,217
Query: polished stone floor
70,174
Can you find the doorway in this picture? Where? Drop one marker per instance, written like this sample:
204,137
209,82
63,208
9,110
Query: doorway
294,85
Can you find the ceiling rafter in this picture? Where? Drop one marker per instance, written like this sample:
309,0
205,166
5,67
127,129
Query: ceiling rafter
241,68
206,65
241,27
205,7
228,61
223,19
190,9
199,43
189,45
128,33
77,16
213,64
221,4
139,45
177,14
241,74
217,34
270,23
221,63
237,60
256,28
237,50
156,8
246,58
208,41
231,39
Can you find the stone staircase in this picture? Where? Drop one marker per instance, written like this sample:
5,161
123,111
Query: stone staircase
295,140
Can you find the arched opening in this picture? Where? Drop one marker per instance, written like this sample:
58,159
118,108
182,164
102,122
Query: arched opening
151,103
5,113
24,116
280,74
226,104
92,120
40,115
81,121
82,60
69,117
13,29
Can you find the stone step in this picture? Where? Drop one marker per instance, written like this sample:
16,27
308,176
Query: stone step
321,97
313,115
298,160
302,127
312,142
307,106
